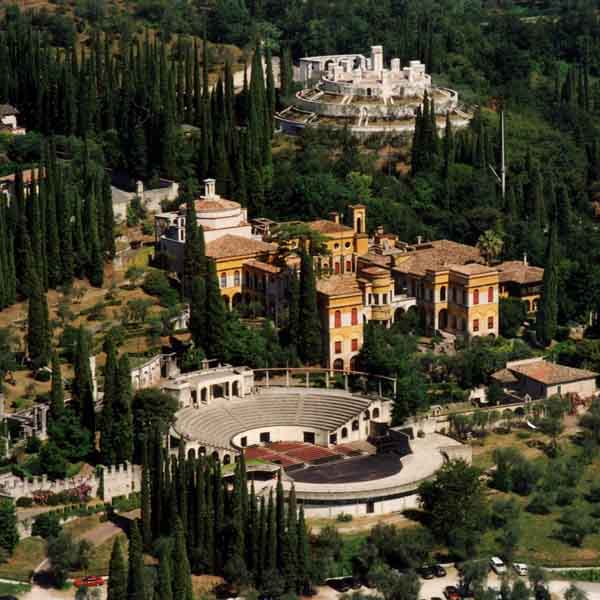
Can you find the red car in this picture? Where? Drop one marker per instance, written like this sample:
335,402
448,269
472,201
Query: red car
89,581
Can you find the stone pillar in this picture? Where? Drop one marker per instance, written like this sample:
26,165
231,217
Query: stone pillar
287,378
379,386
307,376
326,379
346,381
267,374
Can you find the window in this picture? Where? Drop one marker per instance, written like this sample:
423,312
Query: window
309,437
490,322
370,299
376,299
338,347
344,432
376,413
348,266
354,345
354,316
265,437
337,267
465,297
336,245
333,438
244,442
355,425
236,278
223,280
475,324
370,507
490,294
476,297
442,293
338,319
384,301
347,244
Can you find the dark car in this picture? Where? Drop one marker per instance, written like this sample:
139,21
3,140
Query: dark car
451,593
439,571
426,572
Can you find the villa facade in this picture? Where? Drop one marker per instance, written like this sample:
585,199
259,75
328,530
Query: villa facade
360,278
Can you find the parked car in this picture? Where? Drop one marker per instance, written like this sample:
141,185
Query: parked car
426,572
497,565
89,581
439,571
520,569
451,592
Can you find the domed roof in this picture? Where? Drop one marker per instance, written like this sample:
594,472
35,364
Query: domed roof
215,203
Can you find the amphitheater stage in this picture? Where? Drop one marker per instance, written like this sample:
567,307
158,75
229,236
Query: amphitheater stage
356,469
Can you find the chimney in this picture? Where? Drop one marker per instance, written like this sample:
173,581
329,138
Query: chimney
419,240
334,216
525,259
209,188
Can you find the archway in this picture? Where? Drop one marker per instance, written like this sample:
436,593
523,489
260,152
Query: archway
237,300
235,389
338,364
215,455
354,363
226,301
359,225
227,459
443,319
376,413
443,293
191,454
398,314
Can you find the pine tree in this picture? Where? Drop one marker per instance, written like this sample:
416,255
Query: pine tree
117,573
107,441
136,585
123,416
182,580
546,321
309,335
57,395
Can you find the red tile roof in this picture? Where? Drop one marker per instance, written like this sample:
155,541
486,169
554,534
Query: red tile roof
550,373
229,246
324,226
519,272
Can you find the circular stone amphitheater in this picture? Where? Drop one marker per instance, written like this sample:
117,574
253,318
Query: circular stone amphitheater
358,93
327,431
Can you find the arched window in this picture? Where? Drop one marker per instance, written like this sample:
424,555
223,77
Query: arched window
476,297
337,267
475,324
344,432
367,415
338,319
354,316
236,278
490,322
490,294
443,293
355,425
223,280
337,346
348,266
375,413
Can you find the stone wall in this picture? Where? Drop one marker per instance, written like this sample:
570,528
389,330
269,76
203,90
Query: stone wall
118,480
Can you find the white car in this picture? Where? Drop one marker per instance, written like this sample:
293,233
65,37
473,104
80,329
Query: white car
520,568
497,565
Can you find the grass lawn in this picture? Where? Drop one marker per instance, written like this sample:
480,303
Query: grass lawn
29,553
101,557
483,449
82,525
14,588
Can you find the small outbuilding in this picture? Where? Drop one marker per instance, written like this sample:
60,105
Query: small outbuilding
540,378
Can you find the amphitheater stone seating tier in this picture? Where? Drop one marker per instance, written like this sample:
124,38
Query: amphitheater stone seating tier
219,422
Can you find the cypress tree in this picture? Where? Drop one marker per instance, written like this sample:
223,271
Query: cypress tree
208,521
448,146
66,236
287,73
123,417
165,591
136,585
53,249
215,339
108,219
252,532
117,573
95,267
303,555
107,441
57,396
290,567
198,315
38,331
563,213
270,91
157,492
546,321
271,538
182,580
193,251
309,338
200,497
146,495
219,515
261,557
83,390
280,522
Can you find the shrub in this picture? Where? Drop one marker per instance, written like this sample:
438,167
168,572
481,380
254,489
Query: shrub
344,518
565,496
33,445
46,525
24,502
540,504
155,283
594,494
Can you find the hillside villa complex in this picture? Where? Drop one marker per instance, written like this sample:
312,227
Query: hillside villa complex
360,278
